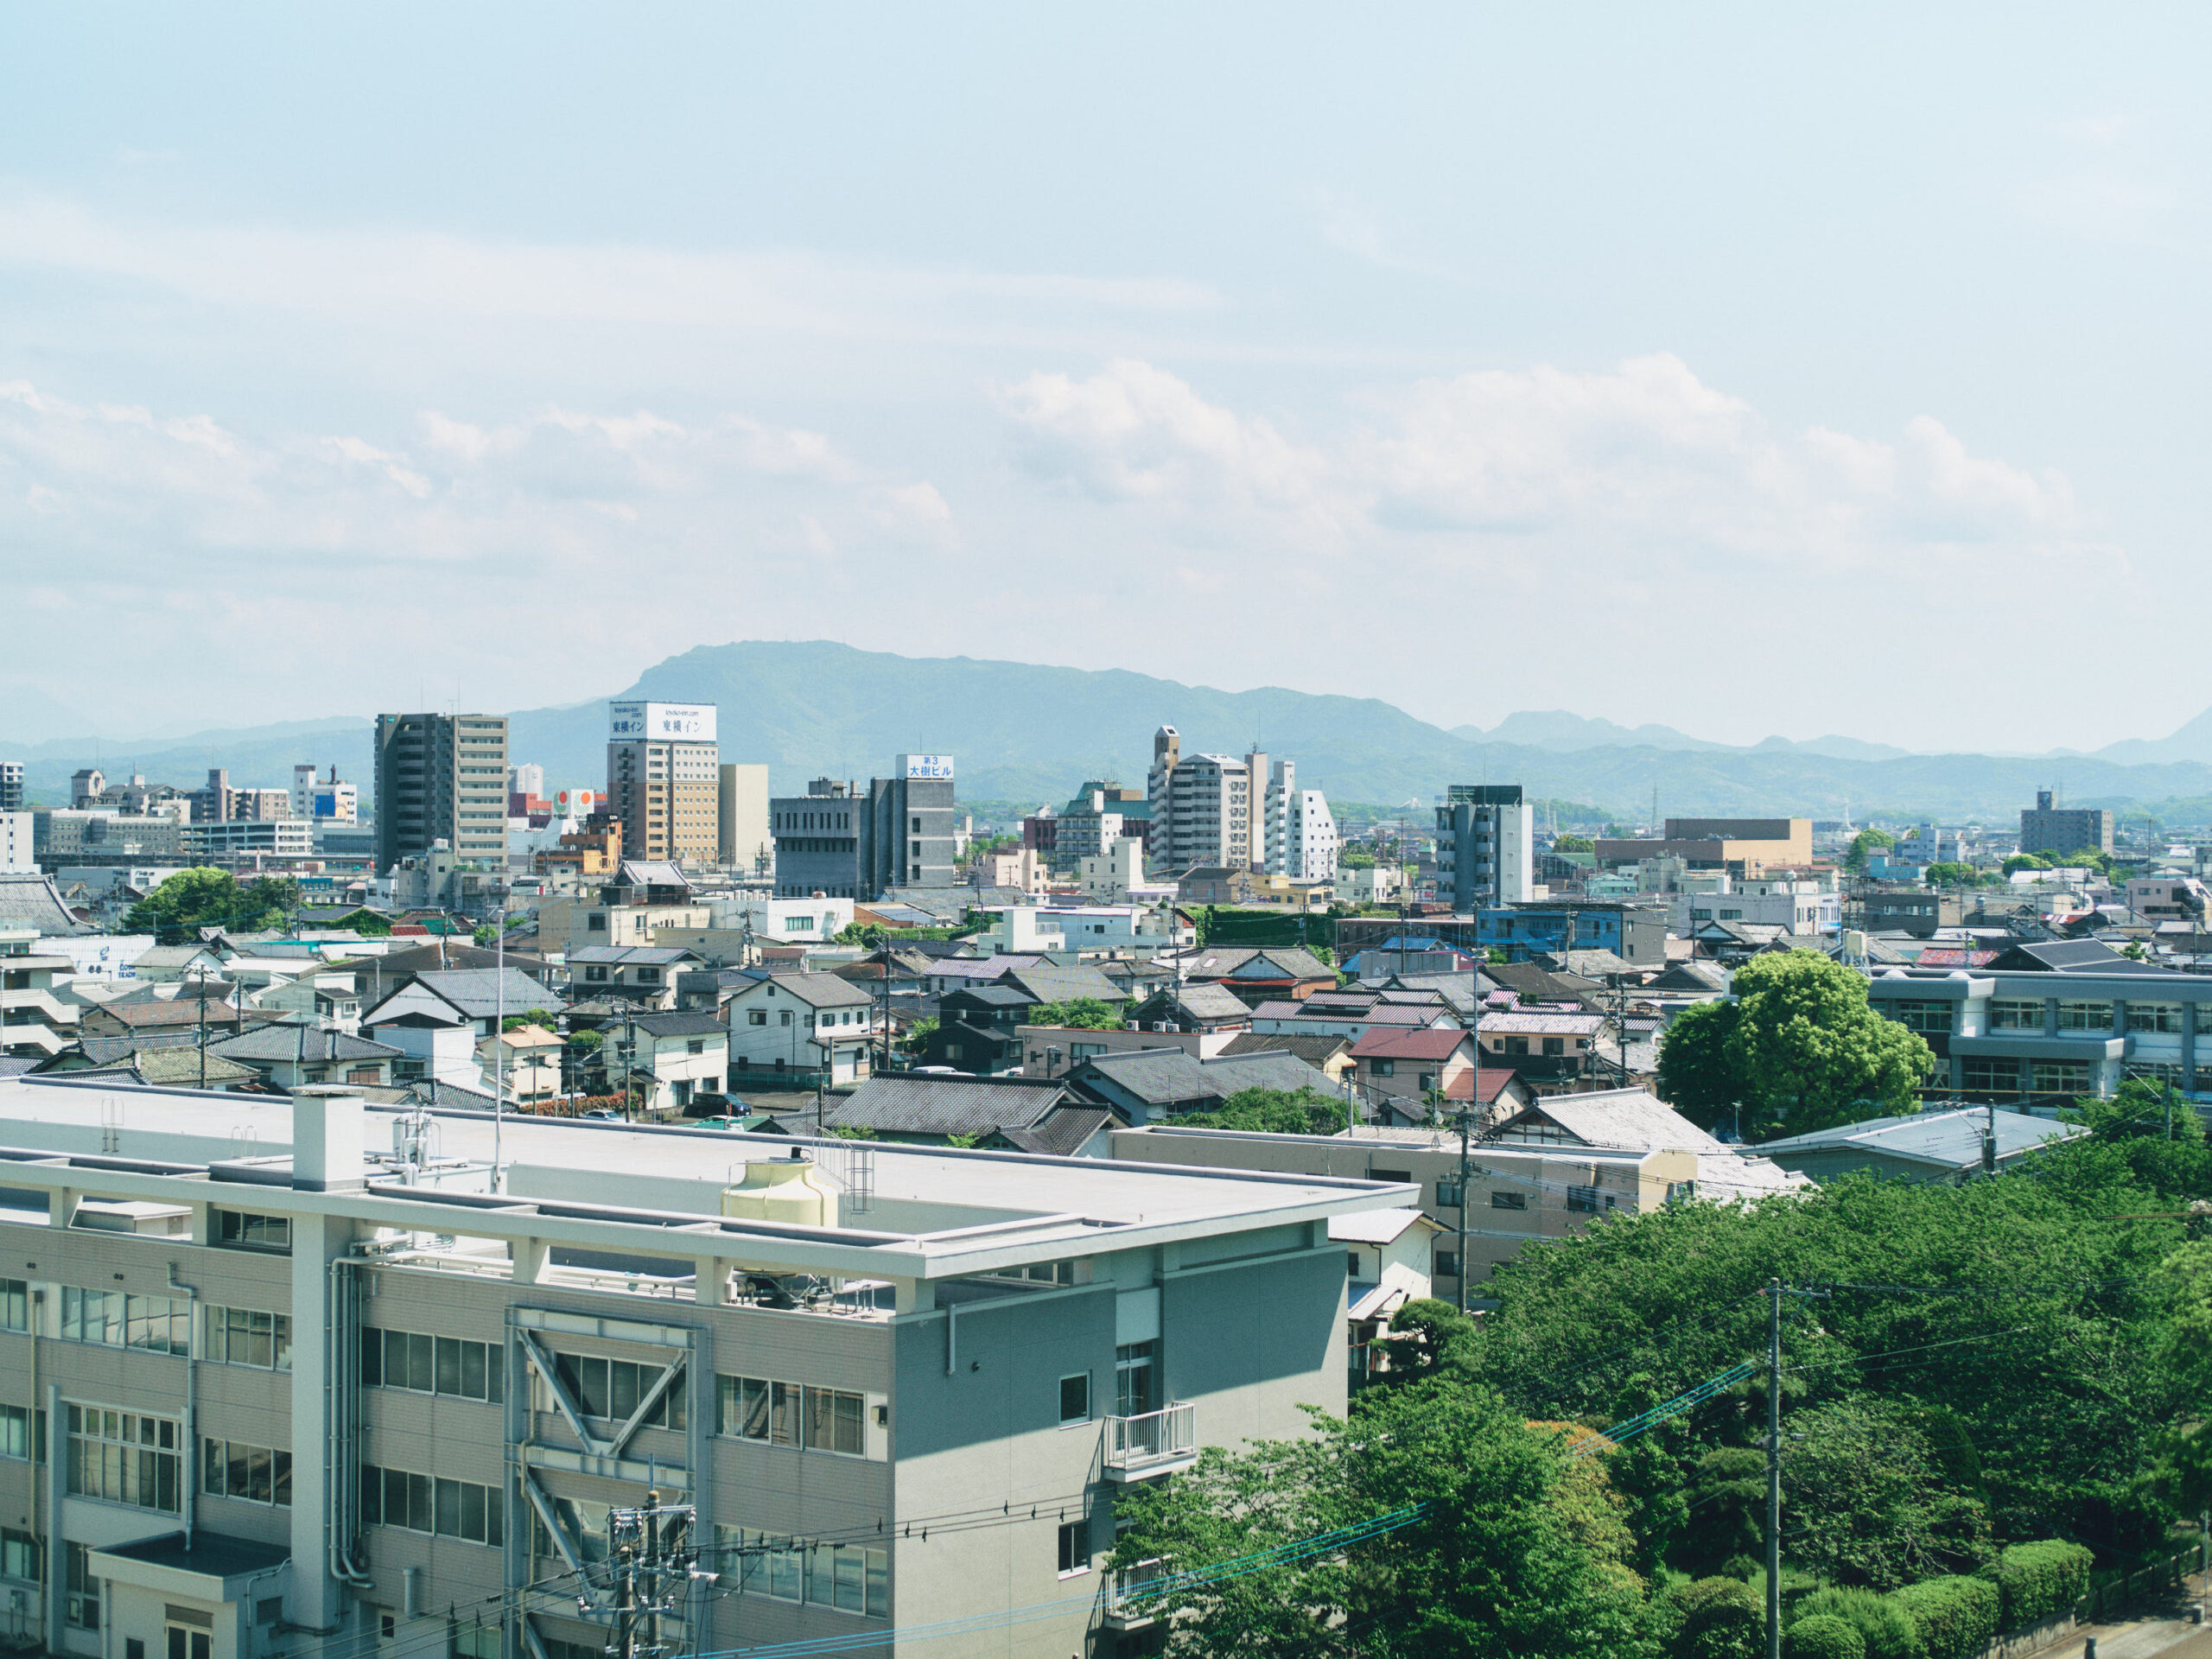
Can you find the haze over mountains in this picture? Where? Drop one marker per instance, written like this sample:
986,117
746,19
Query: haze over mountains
1027,733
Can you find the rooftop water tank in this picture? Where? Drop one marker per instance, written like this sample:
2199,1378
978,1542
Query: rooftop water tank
784,1189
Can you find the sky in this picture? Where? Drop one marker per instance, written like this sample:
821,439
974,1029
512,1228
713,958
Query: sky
1747,369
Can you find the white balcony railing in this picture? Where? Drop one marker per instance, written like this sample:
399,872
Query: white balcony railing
1150,1444
1126,1610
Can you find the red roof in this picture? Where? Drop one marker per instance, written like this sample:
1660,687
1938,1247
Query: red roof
1493,1081
1422,1045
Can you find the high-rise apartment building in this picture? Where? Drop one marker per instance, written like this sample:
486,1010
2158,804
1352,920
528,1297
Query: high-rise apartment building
1484,847
442,778
2062,829
663,779
1205,807
1299,832
11,786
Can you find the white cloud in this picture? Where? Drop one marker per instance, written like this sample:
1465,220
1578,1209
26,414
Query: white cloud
1612,468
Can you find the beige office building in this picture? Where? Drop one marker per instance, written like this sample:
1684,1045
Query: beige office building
663,780
743,842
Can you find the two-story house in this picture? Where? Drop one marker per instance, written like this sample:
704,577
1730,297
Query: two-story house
799,1023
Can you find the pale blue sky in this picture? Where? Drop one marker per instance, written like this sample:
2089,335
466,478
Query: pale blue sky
1738,368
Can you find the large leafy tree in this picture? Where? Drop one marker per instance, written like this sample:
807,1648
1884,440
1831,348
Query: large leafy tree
1081,1013
1273,1111
191,899
1517,1547
1796,1048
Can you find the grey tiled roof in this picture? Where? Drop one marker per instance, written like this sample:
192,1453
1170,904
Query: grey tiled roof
1167,1076
1062,1135
1312,1050
34,901
912,1104
475,991
1066,985
273,1044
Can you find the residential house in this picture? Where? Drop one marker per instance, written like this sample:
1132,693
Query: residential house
1275,973
1049,983
1935,1146
1019,1113
126,1017
802,1024
1403,1070
532,1059
1635,1120
436,1043
1389,1255
1216,884
643,974
1543,1047
978,1031
480,997
147,1063
1197,1006
667,1061
1152,1083
293,1056
1303,1019
1329,1054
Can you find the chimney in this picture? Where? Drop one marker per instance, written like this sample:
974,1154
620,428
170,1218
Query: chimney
328,1138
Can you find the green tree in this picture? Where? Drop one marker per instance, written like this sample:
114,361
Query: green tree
1082,1013
1716,1618
866,935
1950,874
1564,844
366,922
1866,843
484,936
1726,1503
1699,1075
918,1034
1515,1548
191,899
2184,1449
538,1017
2020,862
1273,1111
1810,1053
1869,1501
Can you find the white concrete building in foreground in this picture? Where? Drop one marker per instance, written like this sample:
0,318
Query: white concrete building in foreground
293,1376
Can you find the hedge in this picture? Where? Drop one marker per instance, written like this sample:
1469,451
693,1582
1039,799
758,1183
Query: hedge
1823,1636
1718,1619
1955,1616
1887,1629
2039,1579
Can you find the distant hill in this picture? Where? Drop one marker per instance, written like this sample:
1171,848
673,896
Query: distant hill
1025,734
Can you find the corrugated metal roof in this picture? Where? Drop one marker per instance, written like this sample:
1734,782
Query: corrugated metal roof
1952,1138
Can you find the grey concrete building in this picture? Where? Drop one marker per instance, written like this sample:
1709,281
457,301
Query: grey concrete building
11,786
818,841
2047,829
272,1369
911,834
442,778
1484,847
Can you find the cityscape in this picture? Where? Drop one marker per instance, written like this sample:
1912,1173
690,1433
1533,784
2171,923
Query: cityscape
1031,834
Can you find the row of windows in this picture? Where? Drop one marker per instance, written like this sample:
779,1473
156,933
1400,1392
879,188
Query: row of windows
1996,1074
241,1230
788,1414
610,1388
449,1509
841,1577
408,1359
162,1325
122,1456
259,1474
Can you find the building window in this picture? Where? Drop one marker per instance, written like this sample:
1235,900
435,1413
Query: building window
449,1509
2085,1016
241,1336
19,1556
756,1016
1075,1396
2060,1076
23,1434
121,1456
1981,1074
840,1577
1136,1369
1928,1017
1450,1195
1386,1067
2162,1017
426,1364
155,1323
1447,1263
1582,1199
80,1606
1508,1200
15,1304
257,1473
238,1229
612,1389
2014,1014
2156,1071
596,976
1074,1547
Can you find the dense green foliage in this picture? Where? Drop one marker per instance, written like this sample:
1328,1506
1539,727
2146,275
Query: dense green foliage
1885,1629
1083,1012
1954,1616
1951,873
191,899
1796,1048
1994,1365
1570,843
1866,841
2019,861
2038,1579
1273,1111
1716,1618
369,923
1823,1636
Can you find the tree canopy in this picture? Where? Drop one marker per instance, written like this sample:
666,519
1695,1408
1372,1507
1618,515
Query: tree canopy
1273,1111
191,899
1796,1049
1572,843
1952,874
1866,843
1083,1012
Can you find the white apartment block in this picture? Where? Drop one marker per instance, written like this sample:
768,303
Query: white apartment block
1301,832
1203,806
275,1370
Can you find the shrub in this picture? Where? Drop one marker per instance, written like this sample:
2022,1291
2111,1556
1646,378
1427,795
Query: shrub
2038,1579
1823,1636
1887,1629
1717,1619
1955,1616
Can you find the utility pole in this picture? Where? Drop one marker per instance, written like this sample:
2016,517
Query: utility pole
498,1037
1774,1469
650,1557
1463,1117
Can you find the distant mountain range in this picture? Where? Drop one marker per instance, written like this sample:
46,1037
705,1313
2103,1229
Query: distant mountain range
1027,734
